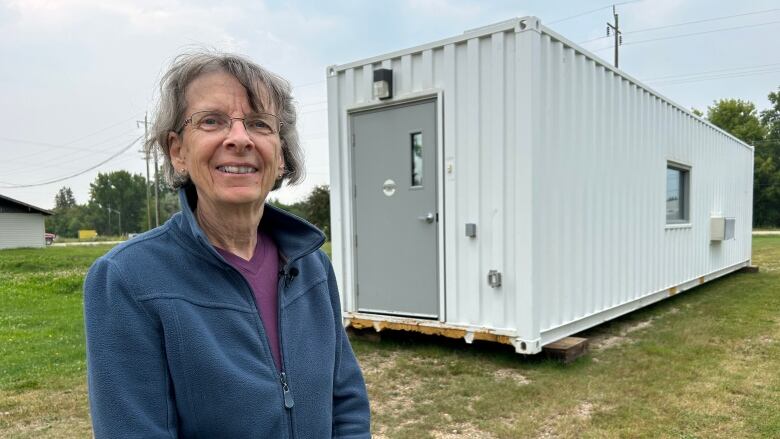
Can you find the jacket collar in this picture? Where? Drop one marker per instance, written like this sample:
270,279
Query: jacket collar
293,236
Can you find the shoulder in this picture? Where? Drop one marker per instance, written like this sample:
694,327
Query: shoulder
125,264
142,249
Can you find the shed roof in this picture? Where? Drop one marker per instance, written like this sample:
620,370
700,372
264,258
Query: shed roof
29,207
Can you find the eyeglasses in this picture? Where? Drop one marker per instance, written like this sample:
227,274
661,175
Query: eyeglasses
260,124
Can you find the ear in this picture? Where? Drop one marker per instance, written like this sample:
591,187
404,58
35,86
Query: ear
177,151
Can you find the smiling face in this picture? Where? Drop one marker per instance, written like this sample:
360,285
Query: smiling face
230,167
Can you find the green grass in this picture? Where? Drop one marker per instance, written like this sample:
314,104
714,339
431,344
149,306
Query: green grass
42,326
703,363
700,364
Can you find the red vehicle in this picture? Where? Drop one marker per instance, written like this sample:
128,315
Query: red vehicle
49,237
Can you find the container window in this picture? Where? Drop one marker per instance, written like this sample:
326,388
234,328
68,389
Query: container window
677,194
417,159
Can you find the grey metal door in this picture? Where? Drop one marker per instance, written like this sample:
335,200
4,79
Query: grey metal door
394,159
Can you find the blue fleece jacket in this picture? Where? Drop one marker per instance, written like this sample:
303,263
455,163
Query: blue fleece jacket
176,348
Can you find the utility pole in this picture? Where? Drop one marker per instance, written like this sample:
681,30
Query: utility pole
109,219
616,31
156,190
148,194
146,155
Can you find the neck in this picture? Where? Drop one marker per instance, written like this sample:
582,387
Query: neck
231,228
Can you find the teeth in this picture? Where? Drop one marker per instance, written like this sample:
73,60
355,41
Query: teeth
237,169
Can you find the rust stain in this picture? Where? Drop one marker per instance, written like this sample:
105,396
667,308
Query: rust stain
429,330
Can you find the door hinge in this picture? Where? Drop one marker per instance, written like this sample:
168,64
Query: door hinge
354,190
355,240
353,140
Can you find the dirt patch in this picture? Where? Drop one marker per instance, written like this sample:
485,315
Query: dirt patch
584,410
511,375
556,426
45,413
606,341
374,364
388,389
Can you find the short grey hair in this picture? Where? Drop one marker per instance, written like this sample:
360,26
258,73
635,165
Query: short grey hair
260,85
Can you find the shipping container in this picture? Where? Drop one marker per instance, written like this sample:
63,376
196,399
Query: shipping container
508,185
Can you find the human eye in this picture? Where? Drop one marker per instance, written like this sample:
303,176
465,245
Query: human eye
259,125
212,121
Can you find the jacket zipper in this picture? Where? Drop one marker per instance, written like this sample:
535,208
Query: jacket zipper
286,393
286,278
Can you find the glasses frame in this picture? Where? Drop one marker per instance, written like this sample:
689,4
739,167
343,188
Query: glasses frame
189,120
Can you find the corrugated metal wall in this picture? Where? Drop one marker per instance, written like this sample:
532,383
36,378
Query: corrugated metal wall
599,184
21,230
561,163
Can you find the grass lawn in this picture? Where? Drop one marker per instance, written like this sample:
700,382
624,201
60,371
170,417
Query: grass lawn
700,364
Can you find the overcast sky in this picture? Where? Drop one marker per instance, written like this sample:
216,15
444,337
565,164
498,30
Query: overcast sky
76,75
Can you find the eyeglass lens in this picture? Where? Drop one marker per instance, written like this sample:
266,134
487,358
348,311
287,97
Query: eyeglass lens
260,123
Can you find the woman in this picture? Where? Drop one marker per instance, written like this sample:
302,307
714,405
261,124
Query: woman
225,322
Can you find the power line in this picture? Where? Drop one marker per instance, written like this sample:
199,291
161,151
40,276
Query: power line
87,149
313,111
101,130
690,34
684,24
311,104
714,77
710,71
7,185
592,11
309,83
701,21
70,142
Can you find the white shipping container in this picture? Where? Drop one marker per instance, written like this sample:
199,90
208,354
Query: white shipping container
515,187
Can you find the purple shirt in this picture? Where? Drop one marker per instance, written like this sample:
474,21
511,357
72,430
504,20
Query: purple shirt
262,274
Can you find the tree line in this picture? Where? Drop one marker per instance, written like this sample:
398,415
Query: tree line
117,206
761,130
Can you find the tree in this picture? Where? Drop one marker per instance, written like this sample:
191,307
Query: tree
314,209
64,198
65,211
766,199
114,197
771,117
766,192
739,118
295,208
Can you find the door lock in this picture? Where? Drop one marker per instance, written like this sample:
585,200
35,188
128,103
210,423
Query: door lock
427,218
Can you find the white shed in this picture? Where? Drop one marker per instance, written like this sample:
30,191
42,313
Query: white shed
21,224
508,185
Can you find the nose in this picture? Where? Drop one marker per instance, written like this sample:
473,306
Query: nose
237,136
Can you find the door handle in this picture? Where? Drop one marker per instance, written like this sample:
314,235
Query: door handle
427,218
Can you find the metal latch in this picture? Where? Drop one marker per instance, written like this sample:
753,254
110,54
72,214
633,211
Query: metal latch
494,278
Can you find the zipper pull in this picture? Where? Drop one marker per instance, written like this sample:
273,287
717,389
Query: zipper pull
288,399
